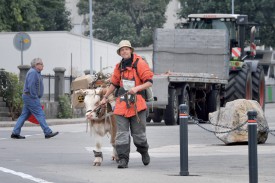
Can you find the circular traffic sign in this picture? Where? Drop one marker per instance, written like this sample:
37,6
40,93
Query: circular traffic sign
22,41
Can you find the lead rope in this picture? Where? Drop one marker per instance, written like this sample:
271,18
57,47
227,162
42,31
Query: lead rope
135,99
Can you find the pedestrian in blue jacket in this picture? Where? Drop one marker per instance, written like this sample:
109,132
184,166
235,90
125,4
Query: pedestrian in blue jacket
32,92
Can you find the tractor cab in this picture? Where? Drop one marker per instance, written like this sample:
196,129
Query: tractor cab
241,34
236,25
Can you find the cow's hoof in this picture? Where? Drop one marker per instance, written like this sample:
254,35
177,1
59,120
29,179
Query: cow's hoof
114,158
97,164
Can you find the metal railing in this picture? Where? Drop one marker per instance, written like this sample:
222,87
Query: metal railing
49,86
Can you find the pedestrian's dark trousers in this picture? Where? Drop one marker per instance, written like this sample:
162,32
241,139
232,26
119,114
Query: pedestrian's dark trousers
138,132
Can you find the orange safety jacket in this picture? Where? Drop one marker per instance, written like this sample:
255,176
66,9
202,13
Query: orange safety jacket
141,74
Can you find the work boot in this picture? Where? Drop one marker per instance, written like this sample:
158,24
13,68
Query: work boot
122,163
145,158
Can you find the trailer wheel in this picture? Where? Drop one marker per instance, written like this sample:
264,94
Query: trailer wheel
239,85
158,115
148,119
258,86
184,98
171,112
213,101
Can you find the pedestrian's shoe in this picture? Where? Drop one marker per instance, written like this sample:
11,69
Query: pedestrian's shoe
14,136
145,158
122,163
51,135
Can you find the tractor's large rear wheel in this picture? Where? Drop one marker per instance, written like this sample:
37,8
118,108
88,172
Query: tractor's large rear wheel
239,85
258,86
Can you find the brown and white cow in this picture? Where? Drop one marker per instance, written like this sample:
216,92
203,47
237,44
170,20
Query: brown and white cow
101,120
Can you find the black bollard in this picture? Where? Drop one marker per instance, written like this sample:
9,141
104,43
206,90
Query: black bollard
183,140
252,146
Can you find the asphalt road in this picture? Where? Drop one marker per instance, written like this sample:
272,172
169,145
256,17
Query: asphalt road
68,157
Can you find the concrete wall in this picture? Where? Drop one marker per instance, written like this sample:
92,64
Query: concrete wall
51,109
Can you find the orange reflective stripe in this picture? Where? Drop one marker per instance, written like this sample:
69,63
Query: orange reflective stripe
251,121
183,114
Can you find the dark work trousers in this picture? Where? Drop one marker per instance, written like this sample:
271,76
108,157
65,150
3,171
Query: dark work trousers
125,126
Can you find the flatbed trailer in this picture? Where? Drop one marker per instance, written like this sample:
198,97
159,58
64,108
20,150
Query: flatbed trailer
190,66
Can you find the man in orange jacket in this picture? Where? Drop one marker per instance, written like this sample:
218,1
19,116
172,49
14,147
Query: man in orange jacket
131,77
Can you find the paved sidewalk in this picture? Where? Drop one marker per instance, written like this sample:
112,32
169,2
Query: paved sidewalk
50,122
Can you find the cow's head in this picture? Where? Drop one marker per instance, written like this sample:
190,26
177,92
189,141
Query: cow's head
92,103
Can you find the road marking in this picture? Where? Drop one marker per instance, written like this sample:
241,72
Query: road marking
25,136
34,135
38,134
195,150
109,151
23,175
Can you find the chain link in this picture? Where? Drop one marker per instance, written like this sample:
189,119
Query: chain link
237,128
266,129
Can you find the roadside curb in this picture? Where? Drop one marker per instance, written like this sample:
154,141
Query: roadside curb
50,122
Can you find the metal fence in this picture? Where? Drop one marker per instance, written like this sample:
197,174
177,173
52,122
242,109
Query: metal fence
49,86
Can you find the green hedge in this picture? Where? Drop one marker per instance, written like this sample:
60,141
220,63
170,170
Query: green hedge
65,110
11,90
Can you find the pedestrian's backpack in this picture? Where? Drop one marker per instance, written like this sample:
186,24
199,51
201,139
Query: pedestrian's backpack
148,92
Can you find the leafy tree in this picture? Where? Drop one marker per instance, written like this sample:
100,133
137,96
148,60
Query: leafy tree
53,14
114,20
31,15
260,11
19,16
3,17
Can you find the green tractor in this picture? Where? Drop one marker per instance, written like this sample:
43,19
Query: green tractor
246,74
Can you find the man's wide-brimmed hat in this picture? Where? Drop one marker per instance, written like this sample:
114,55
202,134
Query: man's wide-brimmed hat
124,43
